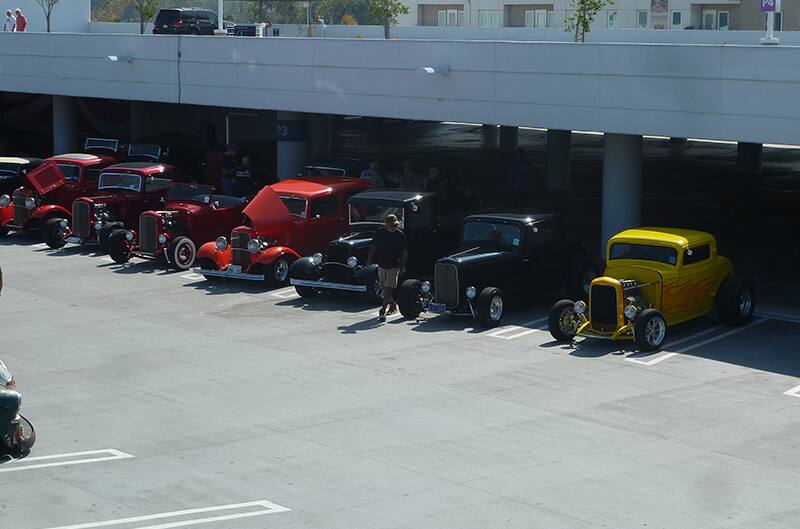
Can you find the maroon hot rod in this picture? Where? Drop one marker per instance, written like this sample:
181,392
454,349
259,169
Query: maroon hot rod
192,215
124,192
284,221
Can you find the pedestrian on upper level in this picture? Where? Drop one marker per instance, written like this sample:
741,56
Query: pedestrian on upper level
11,23
22,22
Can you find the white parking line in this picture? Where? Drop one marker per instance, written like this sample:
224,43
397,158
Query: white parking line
652,361
192,277
267,508
285,293
501,332
59,460
794,392
724,335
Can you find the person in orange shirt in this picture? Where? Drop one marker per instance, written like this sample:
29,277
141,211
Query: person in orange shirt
22,22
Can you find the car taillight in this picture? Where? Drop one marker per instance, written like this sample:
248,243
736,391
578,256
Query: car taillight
179,23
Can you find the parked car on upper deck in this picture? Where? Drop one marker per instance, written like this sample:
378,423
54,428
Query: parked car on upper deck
284,221
185,21
342,266
654,278
13,169
124,191
502,256
192,215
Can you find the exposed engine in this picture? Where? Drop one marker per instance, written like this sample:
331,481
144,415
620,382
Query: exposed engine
634,301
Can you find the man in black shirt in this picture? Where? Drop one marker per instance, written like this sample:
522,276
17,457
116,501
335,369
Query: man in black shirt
389,245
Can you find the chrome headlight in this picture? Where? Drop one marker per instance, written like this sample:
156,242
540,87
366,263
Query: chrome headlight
471,292
162,239
63,223
29,203
352,261
253,245
5,200
579,307
316,259
425,287
98,225
631,311
221,243
129,235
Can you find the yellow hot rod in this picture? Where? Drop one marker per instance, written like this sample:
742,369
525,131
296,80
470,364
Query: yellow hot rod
654,278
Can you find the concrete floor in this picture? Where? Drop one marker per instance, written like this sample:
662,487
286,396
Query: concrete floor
226,395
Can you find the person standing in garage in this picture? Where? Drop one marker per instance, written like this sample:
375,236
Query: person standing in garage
389,246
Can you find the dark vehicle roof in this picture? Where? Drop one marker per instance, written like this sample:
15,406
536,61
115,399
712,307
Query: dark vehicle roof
518,218
392,196
139,167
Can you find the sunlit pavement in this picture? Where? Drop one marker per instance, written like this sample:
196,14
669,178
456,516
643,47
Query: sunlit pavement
161,400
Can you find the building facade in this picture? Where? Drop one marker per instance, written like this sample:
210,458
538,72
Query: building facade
624,14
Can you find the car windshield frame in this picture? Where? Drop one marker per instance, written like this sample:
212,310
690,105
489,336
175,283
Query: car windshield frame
322,170
380,219
293,211
197,190
669,255
137,188
73,169
511,233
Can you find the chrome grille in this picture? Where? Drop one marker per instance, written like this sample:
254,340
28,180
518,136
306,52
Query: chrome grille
446,277
81,219
241,256
148,233
21,213
603,308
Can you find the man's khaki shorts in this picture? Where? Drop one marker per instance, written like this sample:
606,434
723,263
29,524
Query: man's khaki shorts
388,277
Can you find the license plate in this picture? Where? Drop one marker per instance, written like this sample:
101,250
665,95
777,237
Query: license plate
437,308
235,269
73,240
165,26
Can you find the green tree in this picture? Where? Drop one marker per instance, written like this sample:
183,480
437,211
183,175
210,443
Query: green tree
581,19
386,12
146,10
335,11
47,6
276,12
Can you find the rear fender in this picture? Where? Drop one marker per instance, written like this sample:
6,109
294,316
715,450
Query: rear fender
51,210
209,251
271,254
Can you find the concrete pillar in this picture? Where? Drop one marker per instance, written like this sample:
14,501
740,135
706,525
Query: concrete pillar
622,185
65,125
489,137
292,144
748,157
509,137
558,167
138,120
320,135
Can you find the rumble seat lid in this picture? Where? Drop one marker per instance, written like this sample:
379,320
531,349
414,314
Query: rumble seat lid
268,212
46,177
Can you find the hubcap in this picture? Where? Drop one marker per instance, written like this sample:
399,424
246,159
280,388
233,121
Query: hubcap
654,331
184,255
281,270
745,302
567,322
496,308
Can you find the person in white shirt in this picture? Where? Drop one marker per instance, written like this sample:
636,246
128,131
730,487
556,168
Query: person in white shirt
374,177
11,22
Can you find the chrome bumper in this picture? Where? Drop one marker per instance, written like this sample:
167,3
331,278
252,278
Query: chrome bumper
327,285
230,275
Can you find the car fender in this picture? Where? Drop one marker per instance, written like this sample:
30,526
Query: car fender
304,268
209,251
6,214
366,272
271,254
51,210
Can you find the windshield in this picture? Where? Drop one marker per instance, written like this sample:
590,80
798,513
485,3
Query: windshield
296,206
375,213
143,150
120,181
477,233
192,192
323,171
71,172
644,252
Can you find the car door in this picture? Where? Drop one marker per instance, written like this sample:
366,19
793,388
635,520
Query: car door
542,257
696,280
326,220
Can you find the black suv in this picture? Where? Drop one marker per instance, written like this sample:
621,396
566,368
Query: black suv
502,255
185,21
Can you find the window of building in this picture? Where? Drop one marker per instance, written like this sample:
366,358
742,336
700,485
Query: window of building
642,19
676,20
709,19
723,20
489,18
541,18
613,18
530,19
450,17
549,19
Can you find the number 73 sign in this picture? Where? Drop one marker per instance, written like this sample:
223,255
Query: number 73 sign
768,6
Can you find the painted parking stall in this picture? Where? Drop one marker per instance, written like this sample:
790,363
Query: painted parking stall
64,460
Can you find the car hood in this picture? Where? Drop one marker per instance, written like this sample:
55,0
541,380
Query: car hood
45,178
267,212
477,255
186,208
356,240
